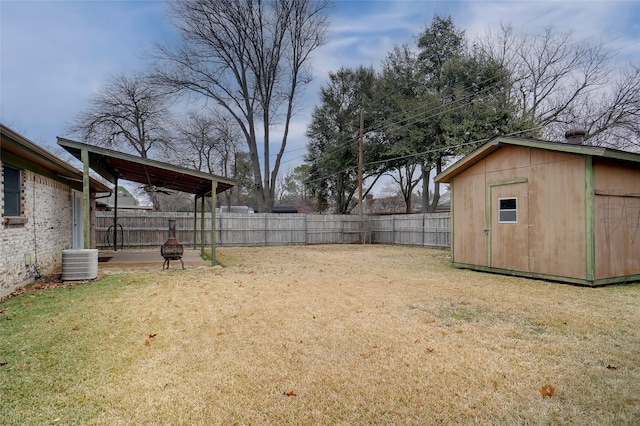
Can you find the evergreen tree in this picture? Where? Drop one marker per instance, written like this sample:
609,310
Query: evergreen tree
333,137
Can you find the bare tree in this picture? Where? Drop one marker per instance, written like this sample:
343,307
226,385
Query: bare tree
560,83
251,58
128,114
291,188
612,117
549,71
406,181
209,142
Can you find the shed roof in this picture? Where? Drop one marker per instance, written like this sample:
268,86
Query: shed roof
21,147
113,165
498,142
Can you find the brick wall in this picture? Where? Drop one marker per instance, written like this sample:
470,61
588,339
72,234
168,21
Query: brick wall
47,207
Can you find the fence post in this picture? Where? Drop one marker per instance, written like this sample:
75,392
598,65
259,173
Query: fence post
423,228
219,228
393,229
368,229
266,228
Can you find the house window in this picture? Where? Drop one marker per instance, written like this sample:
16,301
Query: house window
508,210
12,189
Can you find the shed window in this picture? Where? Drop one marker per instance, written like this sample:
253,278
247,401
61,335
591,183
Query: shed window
12,189
508,210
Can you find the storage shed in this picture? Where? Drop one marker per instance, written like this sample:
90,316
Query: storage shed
539,209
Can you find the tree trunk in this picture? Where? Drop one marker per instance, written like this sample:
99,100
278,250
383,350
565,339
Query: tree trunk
436,188
426,175
341,202
406,194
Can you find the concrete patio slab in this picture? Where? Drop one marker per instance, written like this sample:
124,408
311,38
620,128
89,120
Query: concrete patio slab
123,261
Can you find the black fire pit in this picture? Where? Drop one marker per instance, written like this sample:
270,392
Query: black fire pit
172,249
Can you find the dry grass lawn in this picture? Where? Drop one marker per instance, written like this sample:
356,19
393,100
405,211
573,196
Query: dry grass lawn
321,335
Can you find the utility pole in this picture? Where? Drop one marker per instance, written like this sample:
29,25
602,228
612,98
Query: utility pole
360,161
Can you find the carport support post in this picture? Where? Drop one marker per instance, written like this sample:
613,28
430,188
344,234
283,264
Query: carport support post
195,222
202,229
84,154
214,188
115,217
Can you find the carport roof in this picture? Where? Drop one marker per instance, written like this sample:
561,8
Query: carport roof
114,165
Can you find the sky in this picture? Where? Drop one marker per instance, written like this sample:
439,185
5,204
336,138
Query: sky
55,55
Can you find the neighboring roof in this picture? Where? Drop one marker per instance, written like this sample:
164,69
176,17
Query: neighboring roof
444,203
498,142
284,209
234,209
125,202
113,165
21,147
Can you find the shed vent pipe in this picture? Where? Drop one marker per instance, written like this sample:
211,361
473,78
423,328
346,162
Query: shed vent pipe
575,136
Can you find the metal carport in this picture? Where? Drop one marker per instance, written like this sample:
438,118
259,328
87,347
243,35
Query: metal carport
113,166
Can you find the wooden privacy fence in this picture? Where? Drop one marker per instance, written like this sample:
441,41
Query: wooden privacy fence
150,229
427,230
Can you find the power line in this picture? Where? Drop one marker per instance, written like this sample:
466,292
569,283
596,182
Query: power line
417,117
421,113
429,151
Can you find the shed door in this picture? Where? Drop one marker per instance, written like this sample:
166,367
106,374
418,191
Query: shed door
509,230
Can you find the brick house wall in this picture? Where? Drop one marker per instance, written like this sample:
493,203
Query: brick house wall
46,204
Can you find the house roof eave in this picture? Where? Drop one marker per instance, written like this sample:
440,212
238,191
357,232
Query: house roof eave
19,146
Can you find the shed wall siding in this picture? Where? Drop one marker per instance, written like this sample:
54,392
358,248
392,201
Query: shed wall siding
557,216
553,196
617,215
508,159
47,206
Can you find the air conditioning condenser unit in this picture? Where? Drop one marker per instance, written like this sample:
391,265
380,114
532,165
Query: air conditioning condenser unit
79,265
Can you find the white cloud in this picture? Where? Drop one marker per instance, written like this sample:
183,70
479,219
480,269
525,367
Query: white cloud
55,55
587,21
